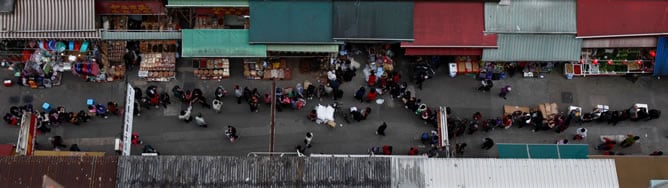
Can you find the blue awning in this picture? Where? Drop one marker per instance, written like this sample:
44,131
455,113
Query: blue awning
661,61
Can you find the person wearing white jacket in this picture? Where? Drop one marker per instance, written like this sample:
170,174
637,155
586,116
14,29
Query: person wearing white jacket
200,121
185,115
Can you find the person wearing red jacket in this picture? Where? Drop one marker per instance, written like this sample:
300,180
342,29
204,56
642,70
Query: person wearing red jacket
371,96
372,80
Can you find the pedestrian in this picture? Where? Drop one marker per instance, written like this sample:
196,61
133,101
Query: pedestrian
185,114
562,141
607,144
487,144
413,151
359,95
381,129
387,150
459,148
307,139
420,80
231,133
57,142
300,150
164,99
135,139
238,93
580,134
200,121
504,91
630,140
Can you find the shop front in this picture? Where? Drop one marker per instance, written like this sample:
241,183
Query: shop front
530,45
628,42
530,55
374,28
303,37
212,14
450,32
39,49
212,50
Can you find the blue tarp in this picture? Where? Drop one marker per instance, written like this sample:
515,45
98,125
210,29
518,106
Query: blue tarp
661,61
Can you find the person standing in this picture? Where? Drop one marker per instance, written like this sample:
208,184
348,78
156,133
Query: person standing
231,133
307,139
238,93
420,79
504,91
580,134
630,140
487,144
381,129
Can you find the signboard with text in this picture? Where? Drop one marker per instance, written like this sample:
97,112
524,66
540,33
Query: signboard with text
127,123
129,8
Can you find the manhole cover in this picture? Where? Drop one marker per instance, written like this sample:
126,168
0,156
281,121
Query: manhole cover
566,97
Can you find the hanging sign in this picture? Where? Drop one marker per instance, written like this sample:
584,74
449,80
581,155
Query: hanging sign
129,8
127,123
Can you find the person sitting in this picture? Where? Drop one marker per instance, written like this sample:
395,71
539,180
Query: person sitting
83,116
413,151
357,115
113,108
371,96
366,112
372,80
312,115
200,121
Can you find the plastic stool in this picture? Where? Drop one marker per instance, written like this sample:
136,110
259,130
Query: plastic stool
46,107
90,102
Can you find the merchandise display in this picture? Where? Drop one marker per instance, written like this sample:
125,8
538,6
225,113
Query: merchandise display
212,69
116,51
266,69
158,66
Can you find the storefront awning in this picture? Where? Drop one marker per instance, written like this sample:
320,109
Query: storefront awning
219,43
624,42
534,47
207,3
40,19
306,48
661,61
130,8
441,28
304,22
373,20
444,51
604,18
120,35
531,16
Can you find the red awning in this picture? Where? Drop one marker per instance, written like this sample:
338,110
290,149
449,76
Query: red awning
605,18
151,7
449,25
444,51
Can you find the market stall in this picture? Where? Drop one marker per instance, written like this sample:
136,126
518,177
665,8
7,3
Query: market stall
256,69
221,18
211,68
158,60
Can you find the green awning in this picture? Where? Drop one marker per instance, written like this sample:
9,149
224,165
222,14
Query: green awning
534,47
149,35
207,3
324,48
306,21
373,20
219,43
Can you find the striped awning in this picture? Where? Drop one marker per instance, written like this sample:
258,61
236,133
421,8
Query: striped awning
40,19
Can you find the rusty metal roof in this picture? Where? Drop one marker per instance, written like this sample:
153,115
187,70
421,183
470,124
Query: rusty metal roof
214,171
22,171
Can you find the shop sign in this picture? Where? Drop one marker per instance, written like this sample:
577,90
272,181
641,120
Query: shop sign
127,124
129,8
222,11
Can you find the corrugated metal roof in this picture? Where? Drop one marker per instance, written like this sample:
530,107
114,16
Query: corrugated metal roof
603,18
216,171
121,35
458,24
207,3
531,16
499,173
326,48
39,19
67,171
534,47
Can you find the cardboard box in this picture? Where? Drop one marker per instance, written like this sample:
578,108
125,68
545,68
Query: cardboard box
548,109
508,109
